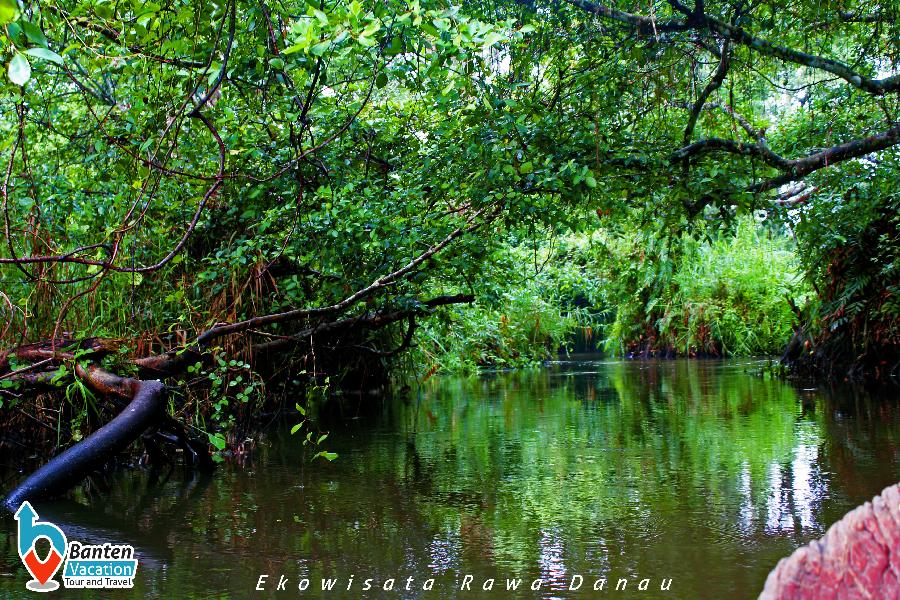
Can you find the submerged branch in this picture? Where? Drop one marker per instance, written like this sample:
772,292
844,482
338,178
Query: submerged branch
74,464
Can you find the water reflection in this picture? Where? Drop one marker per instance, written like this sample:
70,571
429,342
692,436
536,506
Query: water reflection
697,472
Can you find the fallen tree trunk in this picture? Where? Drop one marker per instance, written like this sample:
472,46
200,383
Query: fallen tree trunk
147,396
857,558
70,467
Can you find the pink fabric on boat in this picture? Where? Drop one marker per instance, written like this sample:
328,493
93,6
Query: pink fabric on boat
859,557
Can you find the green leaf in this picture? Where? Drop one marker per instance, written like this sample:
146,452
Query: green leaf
296,428
295,48
492,38
395,47
16,34
320,48
19,69
213,75
45,54
9,10
341,37
366,40
276,63
590,181
381,80
373,28
327,455
526,167
34,33
216,440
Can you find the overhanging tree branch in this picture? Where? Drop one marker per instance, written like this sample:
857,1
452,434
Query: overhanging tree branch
793,169
698,21
644,24
714,84
717,144
801,167
740,36
175,359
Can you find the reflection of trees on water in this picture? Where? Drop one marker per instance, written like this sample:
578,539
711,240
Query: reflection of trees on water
614,470
639,450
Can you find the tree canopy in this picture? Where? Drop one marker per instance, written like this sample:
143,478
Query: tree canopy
257,176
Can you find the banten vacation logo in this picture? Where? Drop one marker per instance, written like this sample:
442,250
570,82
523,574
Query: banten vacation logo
106,566
30,531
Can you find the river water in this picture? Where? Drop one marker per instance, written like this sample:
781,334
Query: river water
702,474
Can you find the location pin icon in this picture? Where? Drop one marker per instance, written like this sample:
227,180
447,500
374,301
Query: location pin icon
30,531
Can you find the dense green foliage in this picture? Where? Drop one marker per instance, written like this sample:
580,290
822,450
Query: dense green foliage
535,300
728,296
628,293
855,268
281,193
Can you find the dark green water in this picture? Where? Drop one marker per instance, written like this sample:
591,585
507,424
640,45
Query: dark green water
696,472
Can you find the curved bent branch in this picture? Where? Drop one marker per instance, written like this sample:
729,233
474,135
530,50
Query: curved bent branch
644,24
714,84
166,363
876,87
68,468
794,169
697,21
801,167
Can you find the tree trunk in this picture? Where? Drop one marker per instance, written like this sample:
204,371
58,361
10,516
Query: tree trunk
67,469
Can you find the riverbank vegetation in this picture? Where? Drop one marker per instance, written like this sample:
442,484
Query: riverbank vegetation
256,201
627,293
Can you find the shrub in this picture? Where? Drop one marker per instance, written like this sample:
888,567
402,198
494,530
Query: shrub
725,296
